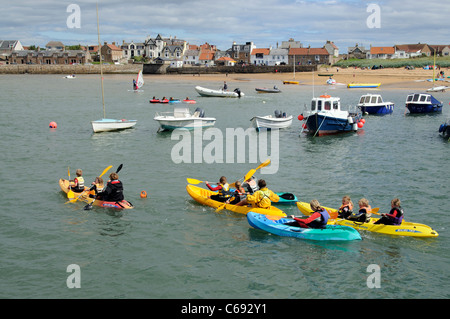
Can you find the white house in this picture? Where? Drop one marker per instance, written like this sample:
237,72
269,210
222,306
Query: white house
278,56
130,50
260,57
191,57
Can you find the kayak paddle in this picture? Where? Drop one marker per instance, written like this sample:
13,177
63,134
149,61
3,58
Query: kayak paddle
252,171
89,206
70,193
194,181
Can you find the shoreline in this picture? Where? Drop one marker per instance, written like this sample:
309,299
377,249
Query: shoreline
388,77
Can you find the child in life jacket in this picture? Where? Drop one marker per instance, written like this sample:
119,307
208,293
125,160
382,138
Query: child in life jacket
395,216
364,213
77,184
223,188
239,193
318,219
346,208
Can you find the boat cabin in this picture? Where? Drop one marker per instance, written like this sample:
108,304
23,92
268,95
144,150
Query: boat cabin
325,103
422,98
371,99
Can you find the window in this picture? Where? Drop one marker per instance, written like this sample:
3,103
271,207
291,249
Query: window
374,99
423,98
361,100
319,105
416,97
335,105
409,98
327,105
313,105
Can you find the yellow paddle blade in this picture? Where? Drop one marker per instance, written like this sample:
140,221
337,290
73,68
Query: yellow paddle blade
252,171
263,164
220,208
193,181
70,194
106,169
375,210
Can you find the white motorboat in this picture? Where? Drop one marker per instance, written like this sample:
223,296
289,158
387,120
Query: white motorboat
278,121
181,118
374,104
218,93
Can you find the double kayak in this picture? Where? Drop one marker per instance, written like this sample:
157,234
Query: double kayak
276,225
202,196
84,197
404,229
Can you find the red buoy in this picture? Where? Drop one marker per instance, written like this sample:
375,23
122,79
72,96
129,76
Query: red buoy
52,125
300,117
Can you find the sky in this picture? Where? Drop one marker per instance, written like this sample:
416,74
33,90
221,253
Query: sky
266,23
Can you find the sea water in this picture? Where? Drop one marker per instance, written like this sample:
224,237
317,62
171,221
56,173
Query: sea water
169,246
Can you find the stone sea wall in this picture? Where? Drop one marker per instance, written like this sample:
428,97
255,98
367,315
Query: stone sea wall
69,69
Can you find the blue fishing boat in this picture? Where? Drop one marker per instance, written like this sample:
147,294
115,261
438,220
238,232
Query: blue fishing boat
444,128
281,227
326,117
374,104
422,103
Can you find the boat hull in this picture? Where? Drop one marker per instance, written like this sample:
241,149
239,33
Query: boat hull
170,124
417,108
444,129
382,109
321,124
264,90
363,85
276,226
124,204
202,196
108,125
270,122
217,93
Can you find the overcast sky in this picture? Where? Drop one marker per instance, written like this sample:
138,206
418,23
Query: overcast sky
265,22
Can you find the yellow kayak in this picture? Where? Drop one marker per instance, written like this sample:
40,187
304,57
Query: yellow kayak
405,229
202,196
291,82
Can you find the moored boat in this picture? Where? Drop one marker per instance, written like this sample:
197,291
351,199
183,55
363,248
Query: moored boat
181,118
277,226
84,197
202,196
291,82
363,85
267,90
423,103
108,125
444,128
326,117
218,93
374,104
279,121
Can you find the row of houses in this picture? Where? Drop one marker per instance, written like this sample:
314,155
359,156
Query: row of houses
399,51
175,51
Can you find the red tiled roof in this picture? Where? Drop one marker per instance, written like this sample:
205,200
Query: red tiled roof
382,50
263,51
308,51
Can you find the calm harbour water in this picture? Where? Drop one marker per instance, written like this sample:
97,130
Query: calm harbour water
171,247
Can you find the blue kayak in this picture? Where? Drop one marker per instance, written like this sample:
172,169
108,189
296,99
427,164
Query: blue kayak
276,225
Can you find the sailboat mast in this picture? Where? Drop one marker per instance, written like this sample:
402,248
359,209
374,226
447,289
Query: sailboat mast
101,64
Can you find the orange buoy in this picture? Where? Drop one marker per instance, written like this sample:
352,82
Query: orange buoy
52,125
143,194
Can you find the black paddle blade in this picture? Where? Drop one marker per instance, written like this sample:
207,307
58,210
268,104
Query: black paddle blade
88,207
119,168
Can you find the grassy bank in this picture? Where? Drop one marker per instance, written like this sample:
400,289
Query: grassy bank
394,63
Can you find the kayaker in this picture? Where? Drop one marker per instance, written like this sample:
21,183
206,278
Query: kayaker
364,213
262,198
395,216
97,185
346,208
134,85
251,185
77,184
223,188
225,86
239,193
113,191
318,219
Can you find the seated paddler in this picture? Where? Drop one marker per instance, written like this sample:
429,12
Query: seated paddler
77,184
364,213
318,219
223,189
262,198
395,216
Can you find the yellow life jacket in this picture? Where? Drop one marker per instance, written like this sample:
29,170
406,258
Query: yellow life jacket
80,184
225,191
264,198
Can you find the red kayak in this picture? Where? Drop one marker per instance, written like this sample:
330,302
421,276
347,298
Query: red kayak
124,204
189,101
155,101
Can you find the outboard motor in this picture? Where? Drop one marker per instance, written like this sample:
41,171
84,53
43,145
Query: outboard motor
238,91
277,113
199,112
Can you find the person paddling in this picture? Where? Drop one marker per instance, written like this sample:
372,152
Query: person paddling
346,208
364,213
318,219
113,191
223,188
77,185
395,216
262,198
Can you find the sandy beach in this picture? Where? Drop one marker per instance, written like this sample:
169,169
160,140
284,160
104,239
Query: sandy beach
388,77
